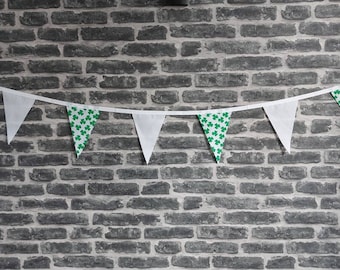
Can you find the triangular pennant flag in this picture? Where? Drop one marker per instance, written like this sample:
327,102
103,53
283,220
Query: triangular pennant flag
148,128
82,121
336,96
215,127
282,117
16,109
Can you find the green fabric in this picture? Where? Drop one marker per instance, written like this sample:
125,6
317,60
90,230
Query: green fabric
82,121
336,96
215,127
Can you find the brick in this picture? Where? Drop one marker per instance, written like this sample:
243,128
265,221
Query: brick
329,232
165,97
38,50
51,204
190,262
186,173
66,189
252,63
89,4
221,80
168,247
86,233
10,67
162,81
62,218
108,33
118,82
314,61
293,173
247,217
207,187
79,174
266,189
6,160
132,16
139,173
300,45
22,4
153,203
182,143
278,262
319,28
301,203
332,45
42,160
168,232
34,130
157,32
98,159
58,34
321,125
123,97
174,128
5,205
123,247
55,66
149,262
80,82
332,156
283,233
202,31
15,219
316,142
190,48
36,233
238,262
249,172
7,19
316,188
262,248
296,13
95,204
83,261
298,157
193,96
330,203
16,35
21,190
243,143
65,247
110,67
34,18
191,203
191,218
86,17
184,15
123,233
122,219
312,247
233,203
330,262
327,11
246,158
263,30
72,50
9,263
113,189
55,145
286,78
246,13
262,95
233,47
311,218
323,109
156,188
194,65
214,247
18,248
37,262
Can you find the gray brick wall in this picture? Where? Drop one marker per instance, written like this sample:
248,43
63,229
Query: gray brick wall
257,209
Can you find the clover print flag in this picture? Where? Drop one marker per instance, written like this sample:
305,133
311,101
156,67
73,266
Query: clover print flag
336,96
82,121
215,127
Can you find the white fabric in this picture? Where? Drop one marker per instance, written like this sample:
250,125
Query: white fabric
16,108
282,117
148,128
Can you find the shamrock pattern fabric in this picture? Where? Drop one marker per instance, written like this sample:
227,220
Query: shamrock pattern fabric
82,121
215,127
336,96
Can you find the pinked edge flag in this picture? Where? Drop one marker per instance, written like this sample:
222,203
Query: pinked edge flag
282,117
16,109
336,96
82,121
215,127
148,127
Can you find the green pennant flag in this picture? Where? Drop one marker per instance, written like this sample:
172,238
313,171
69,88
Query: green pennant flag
215,127
336,96
82,121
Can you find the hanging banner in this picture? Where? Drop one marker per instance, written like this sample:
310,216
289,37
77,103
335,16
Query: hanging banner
215,127
336,95
16,109
148,128
82,121
282,117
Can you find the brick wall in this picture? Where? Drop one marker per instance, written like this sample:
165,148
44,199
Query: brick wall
257,209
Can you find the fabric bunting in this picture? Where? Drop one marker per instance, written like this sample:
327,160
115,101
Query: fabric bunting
215,127
282,117
148,128
336,95
82,121
16,109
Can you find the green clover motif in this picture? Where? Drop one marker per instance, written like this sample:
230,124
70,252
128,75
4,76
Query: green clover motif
78,127
74,108
210,124
75,117
210,139
215,117
221,136
215,133
217,126
77,138
217,142
82,121
83,132
81,112
90,111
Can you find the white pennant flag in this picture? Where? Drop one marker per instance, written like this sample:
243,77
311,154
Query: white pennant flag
16,108
282,117
148,128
